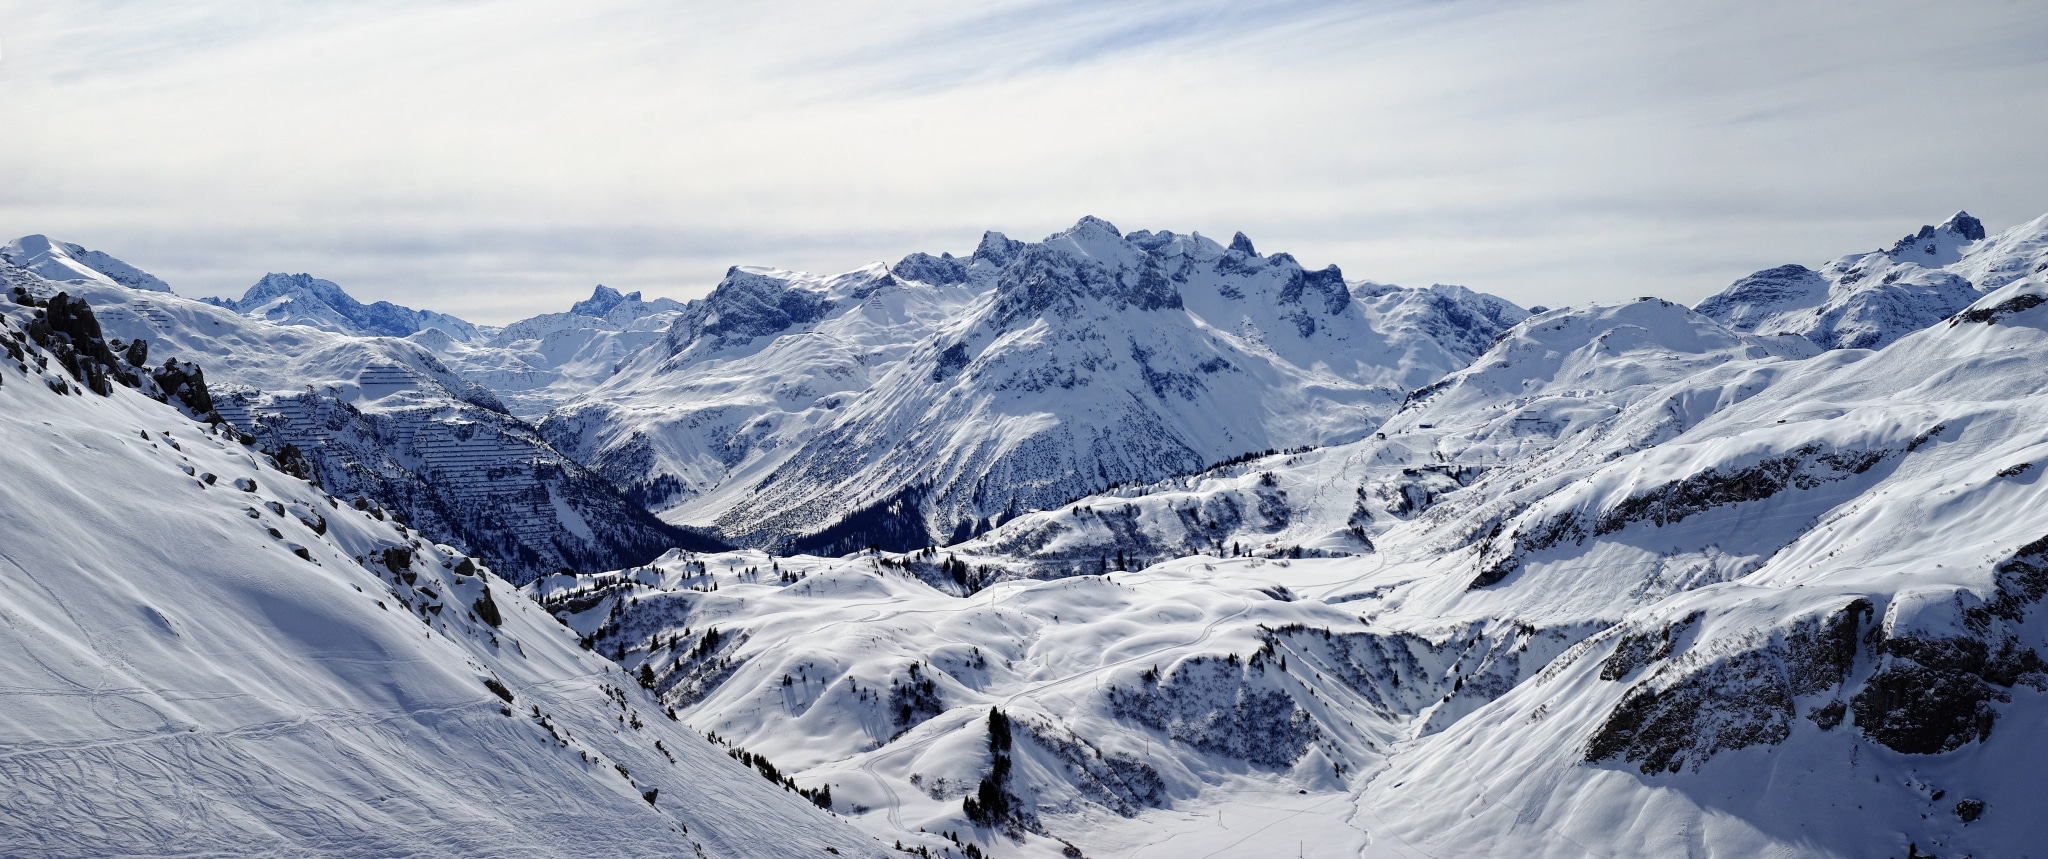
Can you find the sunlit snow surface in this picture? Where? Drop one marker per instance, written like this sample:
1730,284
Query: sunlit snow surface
178,681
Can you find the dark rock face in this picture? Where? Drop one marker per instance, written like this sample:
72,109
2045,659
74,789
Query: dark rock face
1920,693
1044,281
1639,648
950,363
185,381
941,270
488,484
1963,225
1740,702
68,330
1805,467
1667,723
601,301
997,248
746,305
1747,300
1991,315
1935,694
1968,810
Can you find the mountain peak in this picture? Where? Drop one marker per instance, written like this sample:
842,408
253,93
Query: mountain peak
1243,244
1089,225
997,248
1935,246
278,284
302,299
1962,224
601,301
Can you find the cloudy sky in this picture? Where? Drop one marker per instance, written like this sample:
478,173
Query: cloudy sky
496,158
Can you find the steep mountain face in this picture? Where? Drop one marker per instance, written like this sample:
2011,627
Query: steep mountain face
384,420
537,364
925,402
744,376
208,656
1864,301
302,299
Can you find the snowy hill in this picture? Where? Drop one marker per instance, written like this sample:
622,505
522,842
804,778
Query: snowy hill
207,656
923,402
386,420
1864,301
302,299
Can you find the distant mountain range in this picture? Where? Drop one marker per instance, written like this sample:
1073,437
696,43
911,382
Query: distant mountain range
925,402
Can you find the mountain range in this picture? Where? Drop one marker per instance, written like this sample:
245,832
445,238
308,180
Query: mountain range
1110,544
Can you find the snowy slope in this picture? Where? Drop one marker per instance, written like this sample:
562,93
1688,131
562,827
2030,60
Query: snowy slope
66,263
385,419
1864,301
924,402
1856,691
205,656
302,299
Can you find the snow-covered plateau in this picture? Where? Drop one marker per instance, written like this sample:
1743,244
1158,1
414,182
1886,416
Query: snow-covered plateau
1110,545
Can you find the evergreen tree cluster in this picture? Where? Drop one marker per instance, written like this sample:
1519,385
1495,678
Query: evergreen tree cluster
991,802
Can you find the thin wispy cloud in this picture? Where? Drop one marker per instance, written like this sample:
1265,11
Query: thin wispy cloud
495,158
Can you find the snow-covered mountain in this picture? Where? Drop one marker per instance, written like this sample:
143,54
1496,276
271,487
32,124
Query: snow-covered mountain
64,262
302,299
207,656
384,419
1632,583
1864,301
1764,578
537,364
924,402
